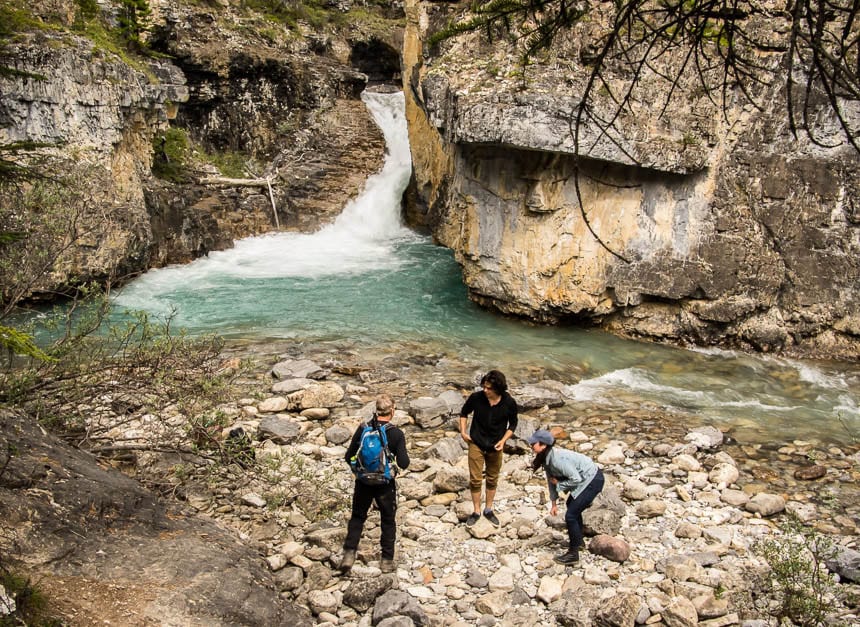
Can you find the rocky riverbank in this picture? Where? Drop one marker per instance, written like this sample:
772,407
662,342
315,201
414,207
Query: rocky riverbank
672,538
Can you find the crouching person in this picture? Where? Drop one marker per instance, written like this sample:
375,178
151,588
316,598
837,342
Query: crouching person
571,472
376,451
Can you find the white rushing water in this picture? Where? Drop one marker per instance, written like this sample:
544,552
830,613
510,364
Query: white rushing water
362,238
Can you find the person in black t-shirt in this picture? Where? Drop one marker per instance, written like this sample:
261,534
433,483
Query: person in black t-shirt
494,419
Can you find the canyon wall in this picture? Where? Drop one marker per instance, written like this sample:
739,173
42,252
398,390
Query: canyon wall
697,226
281,100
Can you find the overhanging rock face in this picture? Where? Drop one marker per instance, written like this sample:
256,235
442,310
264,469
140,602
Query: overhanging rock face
689,226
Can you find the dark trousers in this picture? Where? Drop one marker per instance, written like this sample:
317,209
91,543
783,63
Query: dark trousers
575,507
363,496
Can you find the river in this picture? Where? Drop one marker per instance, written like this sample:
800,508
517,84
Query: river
368,281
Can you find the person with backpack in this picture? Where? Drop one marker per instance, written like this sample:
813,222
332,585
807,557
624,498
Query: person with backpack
571,472
376,452
494,420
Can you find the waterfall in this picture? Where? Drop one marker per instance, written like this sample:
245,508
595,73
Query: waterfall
362,238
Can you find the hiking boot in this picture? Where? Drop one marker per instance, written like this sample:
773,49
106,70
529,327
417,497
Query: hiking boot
472,519
386,566
489,515
347,561
566,558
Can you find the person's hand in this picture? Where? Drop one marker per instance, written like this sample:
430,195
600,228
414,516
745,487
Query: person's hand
465,436
554,510
499,445
553,480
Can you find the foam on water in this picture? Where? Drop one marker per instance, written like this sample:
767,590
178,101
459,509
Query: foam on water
362,239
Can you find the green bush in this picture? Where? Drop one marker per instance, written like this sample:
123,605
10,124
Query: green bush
170,155
31,607
799,580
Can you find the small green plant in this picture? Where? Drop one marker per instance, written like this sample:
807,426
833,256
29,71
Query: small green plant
690,139
183,472
295,481
230,164
170,155
798,577
30,602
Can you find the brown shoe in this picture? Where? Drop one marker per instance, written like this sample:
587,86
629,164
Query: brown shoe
386,566
347,560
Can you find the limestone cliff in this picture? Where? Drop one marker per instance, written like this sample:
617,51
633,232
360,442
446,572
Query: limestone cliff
701,227
279,97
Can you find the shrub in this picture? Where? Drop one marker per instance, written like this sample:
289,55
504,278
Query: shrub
170,155
798,579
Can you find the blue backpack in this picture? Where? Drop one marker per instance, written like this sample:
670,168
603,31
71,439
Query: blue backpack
372,463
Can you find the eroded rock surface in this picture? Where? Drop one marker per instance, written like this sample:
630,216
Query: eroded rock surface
103,548
686,227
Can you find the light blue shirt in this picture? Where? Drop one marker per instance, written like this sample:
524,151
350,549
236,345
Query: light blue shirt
573,470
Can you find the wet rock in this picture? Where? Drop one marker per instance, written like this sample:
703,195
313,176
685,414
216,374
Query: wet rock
810,473
298,369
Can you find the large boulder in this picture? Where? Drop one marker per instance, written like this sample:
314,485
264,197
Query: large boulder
61,508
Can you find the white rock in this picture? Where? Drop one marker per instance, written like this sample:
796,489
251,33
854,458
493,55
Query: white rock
613,454
276,562
272,405
291,549
502,579
723,475
549,589
253,499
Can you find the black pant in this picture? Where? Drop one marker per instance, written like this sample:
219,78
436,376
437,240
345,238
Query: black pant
385,497
575,507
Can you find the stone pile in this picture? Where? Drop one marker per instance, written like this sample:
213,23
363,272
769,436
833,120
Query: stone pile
670,541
